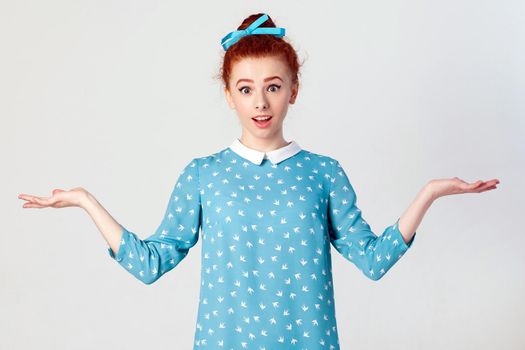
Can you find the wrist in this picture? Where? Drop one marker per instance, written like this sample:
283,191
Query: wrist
429,191
87,200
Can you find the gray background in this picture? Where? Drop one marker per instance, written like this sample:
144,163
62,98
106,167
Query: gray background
117,96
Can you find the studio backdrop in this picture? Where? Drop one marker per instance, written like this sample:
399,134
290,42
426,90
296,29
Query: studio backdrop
117,96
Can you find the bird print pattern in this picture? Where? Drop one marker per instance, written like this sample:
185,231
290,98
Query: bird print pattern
266,272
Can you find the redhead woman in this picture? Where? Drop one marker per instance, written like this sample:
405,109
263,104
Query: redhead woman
267,212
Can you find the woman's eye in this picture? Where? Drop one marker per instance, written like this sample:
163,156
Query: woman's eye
278,86
245,88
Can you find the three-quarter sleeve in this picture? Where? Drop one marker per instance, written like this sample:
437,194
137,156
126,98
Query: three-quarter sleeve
178,231
351,235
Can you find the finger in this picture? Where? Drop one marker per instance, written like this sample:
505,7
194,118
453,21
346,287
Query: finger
493,181
32,205
38,200
42,201
28,198
472,187
24,196
46,202
31,199
486,187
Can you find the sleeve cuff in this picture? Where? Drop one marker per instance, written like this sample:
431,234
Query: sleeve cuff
397,235
122,248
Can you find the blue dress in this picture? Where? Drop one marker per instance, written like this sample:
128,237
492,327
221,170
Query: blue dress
266,221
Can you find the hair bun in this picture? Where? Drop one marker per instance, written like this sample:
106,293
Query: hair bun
249,20
260,45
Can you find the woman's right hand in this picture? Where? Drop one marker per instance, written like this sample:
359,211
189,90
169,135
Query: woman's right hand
59,199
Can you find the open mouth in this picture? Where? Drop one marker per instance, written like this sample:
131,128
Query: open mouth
262,122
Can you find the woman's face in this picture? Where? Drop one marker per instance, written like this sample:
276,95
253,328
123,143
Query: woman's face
261,86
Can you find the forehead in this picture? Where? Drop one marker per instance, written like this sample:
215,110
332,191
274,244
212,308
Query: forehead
259,68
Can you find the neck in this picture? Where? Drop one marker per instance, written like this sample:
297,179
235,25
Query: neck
263,144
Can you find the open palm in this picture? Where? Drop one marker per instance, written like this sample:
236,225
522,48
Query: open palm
445,187
59,199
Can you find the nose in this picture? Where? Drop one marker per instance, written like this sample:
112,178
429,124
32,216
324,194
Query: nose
261,102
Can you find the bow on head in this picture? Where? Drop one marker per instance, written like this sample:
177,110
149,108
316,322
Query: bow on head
233,37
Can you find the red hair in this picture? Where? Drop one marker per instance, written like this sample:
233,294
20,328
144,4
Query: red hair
259,45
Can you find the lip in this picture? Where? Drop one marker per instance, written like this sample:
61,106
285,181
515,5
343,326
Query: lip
261,115
263,124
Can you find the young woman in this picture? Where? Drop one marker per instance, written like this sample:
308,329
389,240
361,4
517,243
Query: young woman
268,212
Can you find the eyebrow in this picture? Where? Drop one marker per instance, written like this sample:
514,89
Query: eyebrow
265,80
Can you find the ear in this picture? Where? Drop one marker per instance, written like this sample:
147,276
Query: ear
295,90
229,98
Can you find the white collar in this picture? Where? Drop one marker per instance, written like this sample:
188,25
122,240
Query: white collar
255,156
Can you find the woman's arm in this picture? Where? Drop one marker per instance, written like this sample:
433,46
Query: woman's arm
411,218
150,258
352,236
111,230
80,197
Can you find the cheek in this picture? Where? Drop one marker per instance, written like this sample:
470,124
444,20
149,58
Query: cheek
245,109
240,104
281,102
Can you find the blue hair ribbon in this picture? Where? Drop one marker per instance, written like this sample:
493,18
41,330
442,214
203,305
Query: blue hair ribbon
232,37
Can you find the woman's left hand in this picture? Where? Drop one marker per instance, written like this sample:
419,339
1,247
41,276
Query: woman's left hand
445,187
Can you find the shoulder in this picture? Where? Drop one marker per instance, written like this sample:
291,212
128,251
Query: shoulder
210,163
320,159
326,166
210,159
